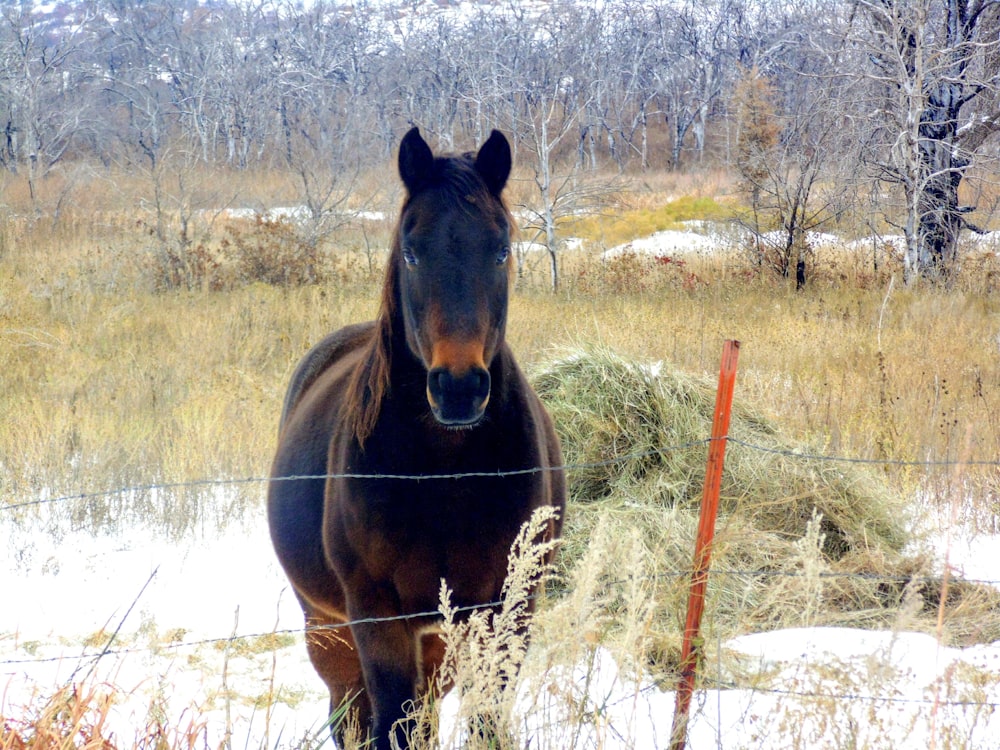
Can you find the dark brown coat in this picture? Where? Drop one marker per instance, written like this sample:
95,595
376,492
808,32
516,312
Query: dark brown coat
429,388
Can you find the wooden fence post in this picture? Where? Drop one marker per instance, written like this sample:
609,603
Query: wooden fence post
691,649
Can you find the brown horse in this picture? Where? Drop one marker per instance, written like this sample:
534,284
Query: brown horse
429,388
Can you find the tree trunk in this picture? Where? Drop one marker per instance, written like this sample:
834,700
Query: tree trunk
543,178
942,167
681,126
645,136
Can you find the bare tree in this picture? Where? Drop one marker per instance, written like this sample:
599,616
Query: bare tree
327,112
697,57
40,89
787,155
934,75
148,87
632,54
614,53
549,103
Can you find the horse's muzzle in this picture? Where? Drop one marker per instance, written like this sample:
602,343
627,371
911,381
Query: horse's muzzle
458,400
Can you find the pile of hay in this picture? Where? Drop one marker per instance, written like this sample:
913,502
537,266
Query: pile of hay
799,541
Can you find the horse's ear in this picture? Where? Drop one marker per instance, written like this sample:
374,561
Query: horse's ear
493,162
415,160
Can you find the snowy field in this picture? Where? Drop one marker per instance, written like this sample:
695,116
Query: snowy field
175,604
708,238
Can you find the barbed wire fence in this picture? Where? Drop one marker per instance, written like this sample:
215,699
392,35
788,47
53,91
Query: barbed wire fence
707,682
571,467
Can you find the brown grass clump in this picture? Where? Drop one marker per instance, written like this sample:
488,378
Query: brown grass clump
800,541
69,719
77,717
485,652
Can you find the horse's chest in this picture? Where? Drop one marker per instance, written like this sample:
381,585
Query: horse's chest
436,530
473,572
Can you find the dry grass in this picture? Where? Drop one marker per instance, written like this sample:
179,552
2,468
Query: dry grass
77,717
800,541
110,380
860,373
623,222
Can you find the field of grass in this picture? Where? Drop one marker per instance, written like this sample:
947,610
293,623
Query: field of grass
113,373
110,381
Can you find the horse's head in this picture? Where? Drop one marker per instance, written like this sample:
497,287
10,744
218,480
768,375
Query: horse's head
452,259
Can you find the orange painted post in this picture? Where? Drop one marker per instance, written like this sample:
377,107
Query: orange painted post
691,649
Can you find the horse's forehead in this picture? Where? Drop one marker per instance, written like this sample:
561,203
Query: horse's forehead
429,213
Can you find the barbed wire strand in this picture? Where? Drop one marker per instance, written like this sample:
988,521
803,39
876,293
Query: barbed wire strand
114,635
500,474
788,452
107,651
720,685
853,696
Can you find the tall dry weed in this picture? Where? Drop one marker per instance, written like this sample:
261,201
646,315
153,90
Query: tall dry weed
80,717
554,694
486,649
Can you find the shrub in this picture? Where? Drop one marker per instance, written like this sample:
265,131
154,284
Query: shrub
273,252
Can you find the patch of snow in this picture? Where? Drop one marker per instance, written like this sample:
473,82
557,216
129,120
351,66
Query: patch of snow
815,240
989,241
293,214
74,589
895,242
175,603
671,242
571,244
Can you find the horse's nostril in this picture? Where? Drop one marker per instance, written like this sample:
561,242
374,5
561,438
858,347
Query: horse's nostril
484,383
436,382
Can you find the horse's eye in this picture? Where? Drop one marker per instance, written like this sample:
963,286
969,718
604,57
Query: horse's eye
408,257
503,255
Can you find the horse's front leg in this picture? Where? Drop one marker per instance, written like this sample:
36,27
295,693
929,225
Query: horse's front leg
388,653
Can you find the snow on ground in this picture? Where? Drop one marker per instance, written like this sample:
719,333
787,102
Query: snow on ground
893,242
175,603
670,242
571,244
294,214
706,238
988,242
73,590
696,237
